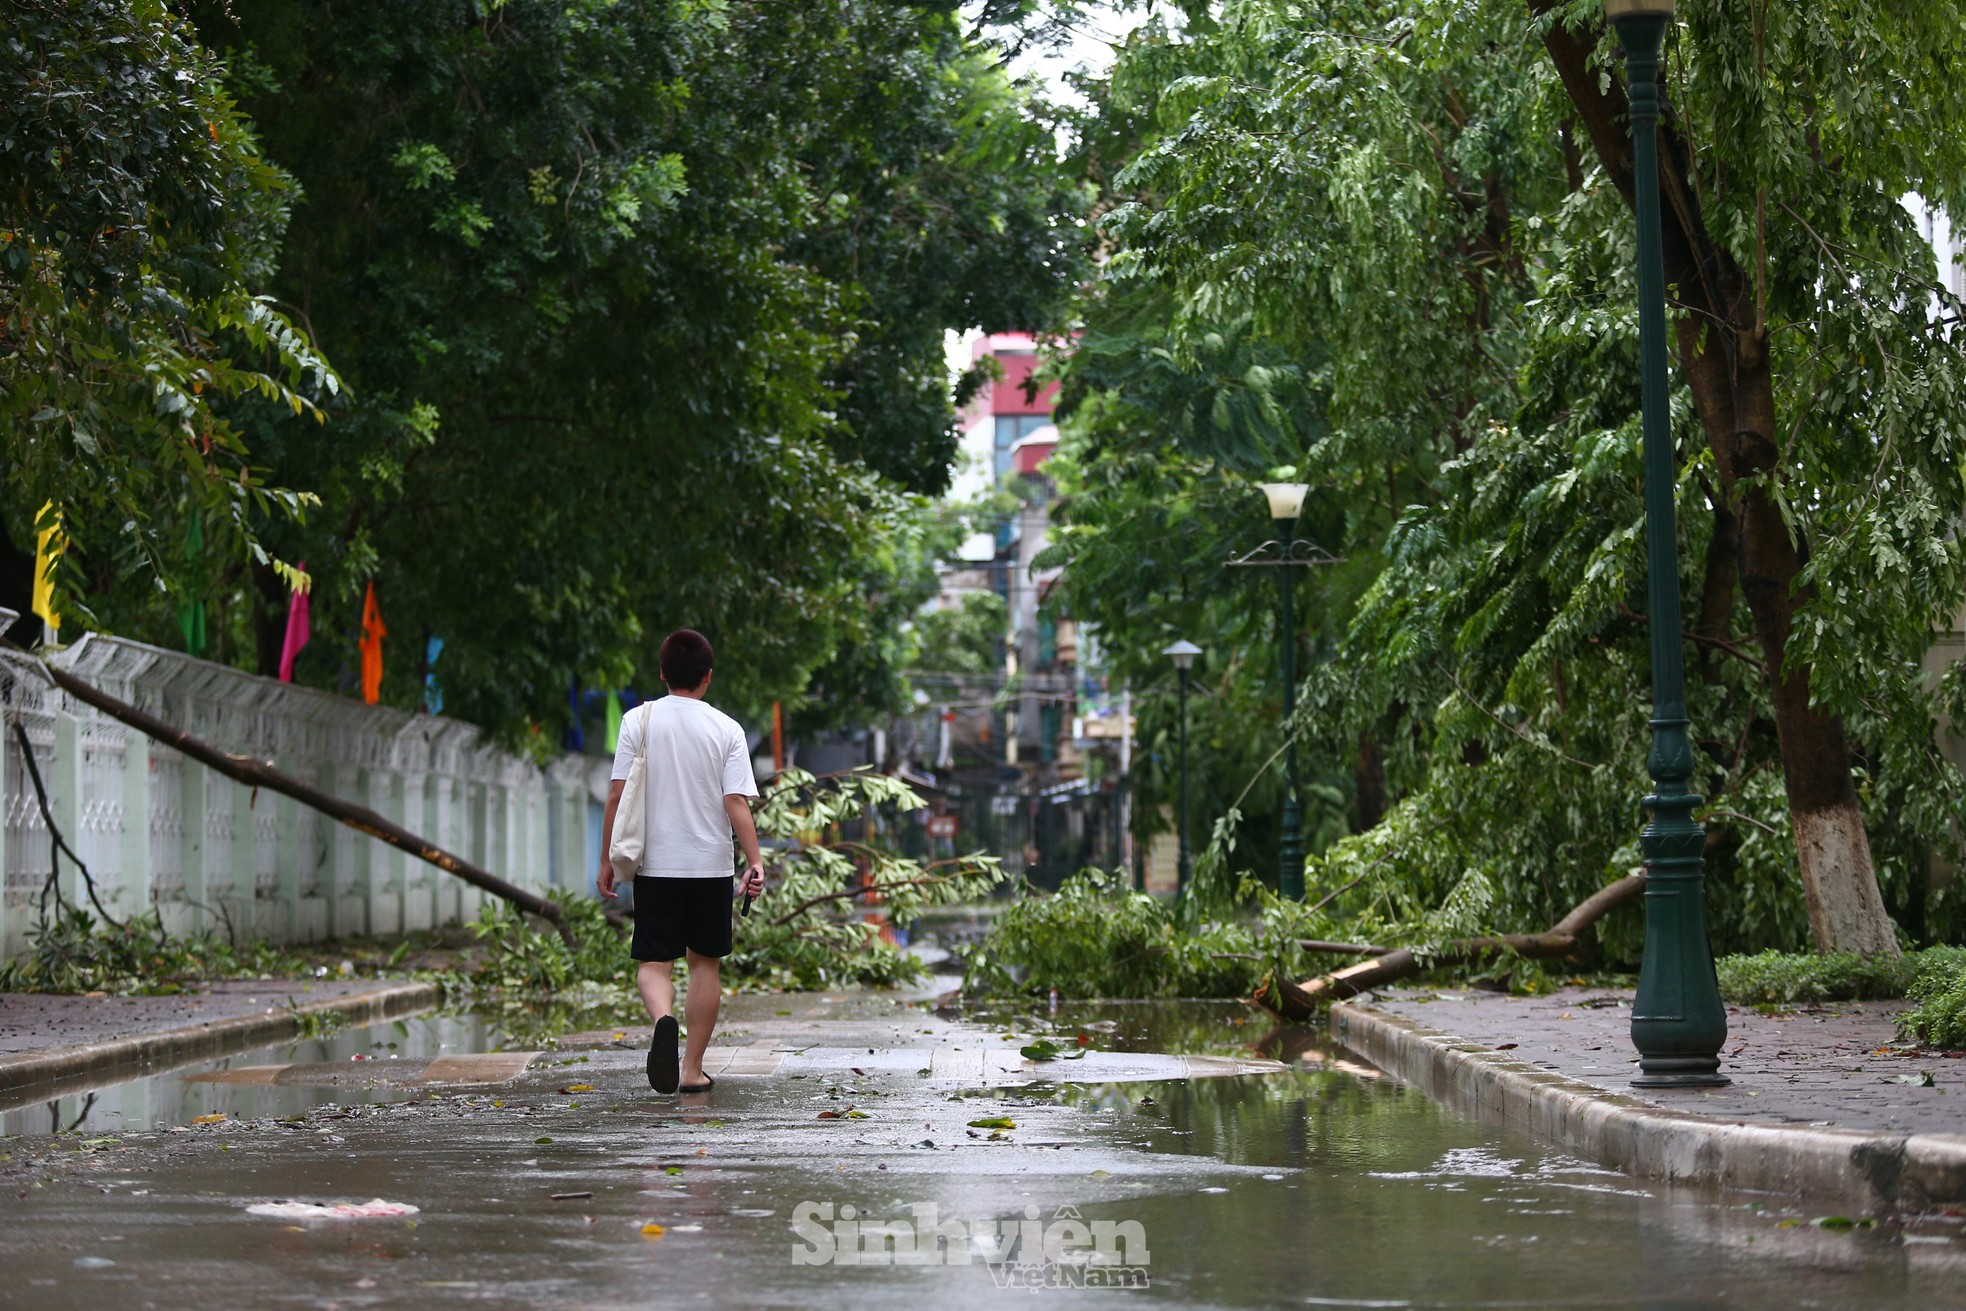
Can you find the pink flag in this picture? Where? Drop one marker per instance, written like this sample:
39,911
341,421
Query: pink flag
297,630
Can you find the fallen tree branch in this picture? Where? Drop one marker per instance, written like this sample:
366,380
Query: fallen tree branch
58,842
1502,723
1366,873
848,894
259,774
1564,941
1599,904
1342,948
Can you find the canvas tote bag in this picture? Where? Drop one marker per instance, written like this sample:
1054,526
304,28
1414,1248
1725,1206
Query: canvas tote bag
631,816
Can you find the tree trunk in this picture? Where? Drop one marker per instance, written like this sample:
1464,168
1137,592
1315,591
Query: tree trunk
1723,571
1846,909
1369,774
1723,353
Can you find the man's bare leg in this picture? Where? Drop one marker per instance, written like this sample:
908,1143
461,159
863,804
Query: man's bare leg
700,1012
658,988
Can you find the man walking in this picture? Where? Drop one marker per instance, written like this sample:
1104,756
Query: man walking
698,788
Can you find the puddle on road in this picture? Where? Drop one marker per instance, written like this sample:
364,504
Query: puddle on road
177,1097
1187,1028
1362,1192
1325,1185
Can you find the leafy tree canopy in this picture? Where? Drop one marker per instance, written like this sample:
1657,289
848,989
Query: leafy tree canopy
640,308
1379,243
137,221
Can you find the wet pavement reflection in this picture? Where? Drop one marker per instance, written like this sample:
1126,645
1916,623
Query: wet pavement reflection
1325,1184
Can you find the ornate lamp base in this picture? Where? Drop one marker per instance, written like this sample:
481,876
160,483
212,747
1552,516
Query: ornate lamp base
1680,1072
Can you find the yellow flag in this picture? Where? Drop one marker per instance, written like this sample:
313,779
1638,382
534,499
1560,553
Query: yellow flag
46,547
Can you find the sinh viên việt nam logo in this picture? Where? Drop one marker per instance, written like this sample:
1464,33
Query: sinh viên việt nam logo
1032,1251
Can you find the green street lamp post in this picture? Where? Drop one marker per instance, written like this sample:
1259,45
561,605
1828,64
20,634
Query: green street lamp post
1287,552
1286,504
1678,1022
1183,655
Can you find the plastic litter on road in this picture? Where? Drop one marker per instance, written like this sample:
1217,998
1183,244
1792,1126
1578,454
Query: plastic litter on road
339,1211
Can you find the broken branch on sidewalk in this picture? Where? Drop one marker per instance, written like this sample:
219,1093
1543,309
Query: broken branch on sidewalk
1563,941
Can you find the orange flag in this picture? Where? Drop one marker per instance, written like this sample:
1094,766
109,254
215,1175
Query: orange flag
372,634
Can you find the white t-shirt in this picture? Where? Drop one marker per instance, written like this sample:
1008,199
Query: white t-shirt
697,756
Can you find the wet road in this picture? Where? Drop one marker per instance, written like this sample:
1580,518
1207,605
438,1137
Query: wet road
1309,1186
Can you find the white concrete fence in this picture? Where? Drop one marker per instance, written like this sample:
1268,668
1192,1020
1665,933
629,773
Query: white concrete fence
157,829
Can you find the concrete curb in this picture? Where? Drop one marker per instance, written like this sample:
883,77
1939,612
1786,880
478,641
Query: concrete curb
62,1070
1863,1172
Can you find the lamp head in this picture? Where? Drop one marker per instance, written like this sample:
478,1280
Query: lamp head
1183,654
1286,499
1616,9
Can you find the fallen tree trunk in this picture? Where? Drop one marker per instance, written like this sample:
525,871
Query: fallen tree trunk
255,773
1299,1001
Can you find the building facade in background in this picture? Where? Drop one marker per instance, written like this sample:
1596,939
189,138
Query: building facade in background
1024,760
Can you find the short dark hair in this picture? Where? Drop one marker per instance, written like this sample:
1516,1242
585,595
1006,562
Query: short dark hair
685,659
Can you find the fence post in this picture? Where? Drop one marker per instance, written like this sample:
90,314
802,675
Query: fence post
242,893
385,862
539,851
9,929
196,783
63,777
135,888
348,903
444,818
287,858
494,811
419,889
477,802
556,828
518,851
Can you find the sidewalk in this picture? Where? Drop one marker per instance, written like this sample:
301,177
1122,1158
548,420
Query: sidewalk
1825,1101
53,1042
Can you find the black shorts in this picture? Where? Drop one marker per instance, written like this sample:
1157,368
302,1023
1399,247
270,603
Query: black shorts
671,914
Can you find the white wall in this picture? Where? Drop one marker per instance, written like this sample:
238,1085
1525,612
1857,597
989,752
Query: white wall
159,830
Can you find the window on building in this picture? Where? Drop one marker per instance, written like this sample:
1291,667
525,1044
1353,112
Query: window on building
1011,429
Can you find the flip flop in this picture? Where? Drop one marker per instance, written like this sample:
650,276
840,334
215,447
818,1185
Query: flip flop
708,1083
664,1062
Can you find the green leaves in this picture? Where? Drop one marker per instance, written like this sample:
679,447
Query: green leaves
1372,241
139,224
424,165
1095,937
642,310
833,876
